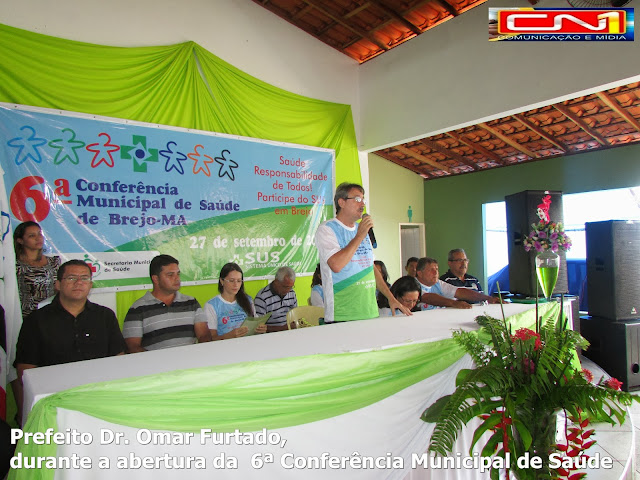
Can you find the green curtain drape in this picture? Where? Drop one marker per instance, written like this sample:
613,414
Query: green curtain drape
182,85
165,85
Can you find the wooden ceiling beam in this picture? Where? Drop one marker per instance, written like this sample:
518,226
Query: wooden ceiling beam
449,153
302,12
507,140
294,21
477,147
448,7
395,15
355,11
422,158
419,169
533,127
617,108
563,109
346,25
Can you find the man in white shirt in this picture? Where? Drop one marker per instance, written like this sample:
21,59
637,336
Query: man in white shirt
349,280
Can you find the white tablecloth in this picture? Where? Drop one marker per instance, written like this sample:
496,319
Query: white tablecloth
387,431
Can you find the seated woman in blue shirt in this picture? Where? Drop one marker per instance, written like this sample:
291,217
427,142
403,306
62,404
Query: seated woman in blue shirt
226,311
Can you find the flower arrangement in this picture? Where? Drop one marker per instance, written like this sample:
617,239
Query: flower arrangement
521,381
546,235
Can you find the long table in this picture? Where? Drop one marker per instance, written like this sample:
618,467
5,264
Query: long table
386,431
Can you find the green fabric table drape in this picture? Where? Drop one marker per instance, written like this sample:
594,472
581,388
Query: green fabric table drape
253,395
246,396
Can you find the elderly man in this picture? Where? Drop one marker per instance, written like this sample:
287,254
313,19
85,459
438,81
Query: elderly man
278,298
70,328
436,293
164,317
457,274
349,280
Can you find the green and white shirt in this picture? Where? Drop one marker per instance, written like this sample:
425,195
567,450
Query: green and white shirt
349,294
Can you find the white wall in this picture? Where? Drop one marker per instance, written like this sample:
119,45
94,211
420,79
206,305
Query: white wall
392,190
240,32
453,76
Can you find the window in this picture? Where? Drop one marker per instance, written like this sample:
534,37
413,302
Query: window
618,204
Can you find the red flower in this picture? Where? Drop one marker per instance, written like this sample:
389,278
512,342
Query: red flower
525,334
587,375
613,383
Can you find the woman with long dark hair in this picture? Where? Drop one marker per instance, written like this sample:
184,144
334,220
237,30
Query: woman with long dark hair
226,311
36,273
407,291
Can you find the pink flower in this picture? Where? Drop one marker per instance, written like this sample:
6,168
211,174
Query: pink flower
542,235
587,375
528,366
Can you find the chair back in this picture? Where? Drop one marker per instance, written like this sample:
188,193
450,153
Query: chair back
304,316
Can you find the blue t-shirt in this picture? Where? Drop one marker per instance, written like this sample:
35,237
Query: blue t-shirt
441,288
224,316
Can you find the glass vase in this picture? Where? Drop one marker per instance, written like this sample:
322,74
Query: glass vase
542,426
547,267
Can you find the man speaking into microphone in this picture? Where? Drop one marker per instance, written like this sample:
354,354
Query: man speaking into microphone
349,280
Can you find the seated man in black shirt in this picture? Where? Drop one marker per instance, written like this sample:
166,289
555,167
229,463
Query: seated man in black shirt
70,328
457,274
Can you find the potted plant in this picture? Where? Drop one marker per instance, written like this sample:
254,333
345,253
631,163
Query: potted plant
520,382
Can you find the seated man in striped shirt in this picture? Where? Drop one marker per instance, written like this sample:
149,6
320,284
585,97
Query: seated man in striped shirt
278,298
164,317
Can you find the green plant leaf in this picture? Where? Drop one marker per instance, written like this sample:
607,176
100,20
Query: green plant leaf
491,445
431,414
524,433
493,420
462,376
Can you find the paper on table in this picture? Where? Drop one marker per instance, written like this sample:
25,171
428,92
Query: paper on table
252,322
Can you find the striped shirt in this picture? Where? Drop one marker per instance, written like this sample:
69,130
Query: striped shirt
160,325
269,301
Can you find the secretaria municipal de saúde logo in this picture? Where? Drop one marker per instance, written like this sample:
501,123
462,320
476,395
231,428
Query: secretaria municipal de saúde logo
561,24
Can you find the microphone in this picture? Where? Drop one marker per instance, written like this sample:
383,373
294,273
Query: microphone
372,236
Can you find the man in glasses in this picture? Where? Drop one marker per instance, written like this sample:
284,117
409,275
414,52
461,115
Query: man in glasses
70,328
164,317
457,274
278,298
349,280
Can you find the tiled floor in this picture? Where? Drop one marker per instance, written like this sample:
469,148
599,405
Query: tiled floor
616,442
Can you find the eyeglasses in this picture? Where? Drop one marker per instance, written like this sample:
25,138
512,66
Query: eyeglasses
408,301
358,199
74,279
464,260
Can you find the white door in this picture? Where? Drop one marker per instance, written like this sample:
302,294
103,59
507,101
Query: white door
412,243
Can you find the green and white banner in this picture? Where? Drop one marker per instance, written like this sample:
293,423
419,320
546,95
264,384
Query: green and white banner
116,193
